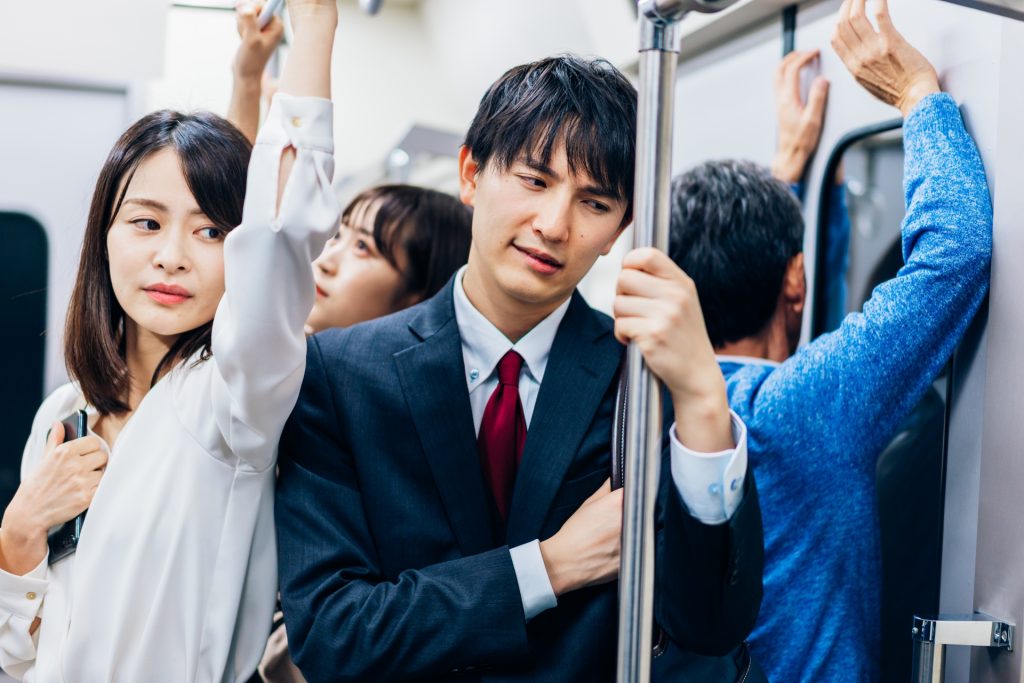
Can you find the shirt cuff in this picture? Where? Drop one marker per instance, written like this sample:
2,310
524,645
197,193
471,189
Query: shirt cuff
532,576
711,484
22,595
301,122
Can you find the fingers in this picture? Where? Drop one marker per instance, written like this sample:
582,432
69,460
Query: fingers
83,445
633,328
94,460
653,275
859,20
882,18
56,436
783,66
652,261
791,78
817,98
627,306
844,30
246,14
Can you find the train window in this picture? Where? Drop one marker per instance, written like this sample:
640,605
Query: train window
854,256
23,301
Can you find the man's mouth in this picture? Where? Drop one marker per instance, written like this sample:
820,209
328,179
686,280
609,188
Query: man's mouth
540,261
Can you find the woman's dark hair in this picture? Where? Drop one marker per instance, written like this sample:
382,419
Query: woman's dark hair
214,158
588,105
733,230
430,229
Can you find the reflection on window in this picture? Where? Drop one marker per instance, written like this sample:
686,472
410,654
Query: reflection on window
874,184
859,254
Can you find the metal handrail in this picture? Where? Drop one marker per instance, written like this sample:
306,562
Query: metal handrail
659,55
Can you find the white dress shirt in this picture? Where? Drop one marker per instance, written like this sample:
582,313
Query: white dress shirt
711,484
175,576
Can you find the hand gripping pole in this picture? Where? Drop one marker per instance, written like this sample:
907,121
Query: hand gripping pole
659,54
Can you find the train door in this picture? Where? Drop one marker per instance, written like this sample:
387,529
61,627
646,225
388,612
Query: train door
23,302
59,131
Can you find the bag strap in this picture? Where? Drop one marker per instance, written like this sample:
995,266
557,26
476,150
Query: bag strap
619,428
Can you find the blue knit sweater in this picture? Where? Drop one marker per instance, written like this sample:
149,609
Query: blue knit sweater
817,423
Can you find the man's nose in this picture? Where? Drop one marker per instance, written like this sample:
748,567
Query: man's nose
554,218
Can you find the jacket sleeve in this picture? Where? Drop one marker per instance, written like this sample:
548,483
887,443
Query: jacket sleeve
708,583
348,622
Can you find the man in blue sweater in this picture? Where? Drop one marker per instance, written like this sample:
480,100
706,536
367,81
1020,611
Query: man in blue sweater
818,418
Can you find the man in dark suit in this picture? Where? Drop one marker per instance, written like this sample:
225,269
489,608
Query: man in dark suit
443,507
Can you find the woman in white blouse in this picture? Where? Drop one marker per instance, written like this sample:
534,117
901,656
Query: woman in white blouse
185,339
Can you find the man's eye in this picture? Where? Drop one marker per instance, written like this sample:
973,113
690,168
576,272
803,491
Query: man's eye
147,224
532,181
362,246
597,206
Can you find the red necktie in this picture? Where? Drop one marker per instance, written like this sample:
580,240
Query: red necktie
503,432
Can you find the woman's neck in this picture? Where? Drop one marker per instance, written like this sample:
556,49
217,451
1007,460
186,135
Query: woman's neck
143,351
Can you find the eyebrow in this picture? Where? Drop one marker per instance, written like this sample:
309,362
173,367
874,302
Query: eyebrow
596,190
159,206
366,232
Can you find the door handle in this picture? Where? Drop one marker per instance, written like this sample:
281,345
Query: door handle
931,636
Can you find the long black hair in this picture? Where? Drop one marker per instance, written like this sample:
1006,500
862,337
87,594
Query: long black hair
214,158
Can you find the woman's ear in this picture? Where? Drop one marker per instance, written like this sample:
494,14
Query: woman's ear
468,169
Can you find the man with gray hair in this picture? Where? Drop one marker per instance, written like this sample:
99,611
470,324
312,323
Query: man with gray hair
818,418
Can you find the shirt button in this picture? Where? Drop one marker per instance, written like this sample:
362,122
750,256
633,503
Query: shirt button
297,121
30,595
735,484
474,375
715,489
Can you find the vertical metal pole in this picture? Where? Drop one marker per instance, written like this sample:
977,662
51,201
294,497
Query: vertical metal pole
658,57
928,662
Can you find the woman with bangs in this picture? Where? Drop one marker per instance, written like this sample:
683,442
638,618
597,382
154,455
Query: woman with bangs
397,246
185,342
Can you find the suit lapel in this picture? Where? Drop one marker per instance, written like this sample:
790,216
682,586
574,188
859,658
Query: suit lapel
433,379
582,365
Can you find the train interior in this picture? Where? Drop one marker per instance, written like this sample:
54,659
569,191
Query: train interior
945,481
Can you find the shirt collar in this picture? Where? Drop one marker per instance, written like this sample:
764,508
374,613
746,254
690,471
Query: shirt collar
747,360
483,344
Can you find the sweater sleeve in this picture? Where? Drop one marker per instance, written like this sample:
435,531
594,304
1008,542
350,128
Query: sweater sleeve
845,392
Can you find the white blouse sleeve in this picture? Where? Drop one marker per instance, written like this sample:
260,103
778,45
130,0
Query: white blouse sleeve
21,597
20,600
259,348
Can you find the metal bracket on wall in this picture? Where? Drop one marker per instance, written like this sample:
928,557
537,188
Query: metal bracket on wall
931,636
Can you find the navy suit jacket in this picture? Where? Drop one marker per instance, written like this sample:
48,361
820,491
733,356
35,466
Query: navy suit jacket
393,563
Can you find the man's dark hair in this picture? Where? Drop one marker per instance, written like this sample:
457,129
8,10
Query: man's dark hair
734,229
586,104
431,231
214,158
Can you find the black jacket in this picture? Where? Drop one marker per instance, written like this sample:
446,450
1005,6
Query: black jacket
392,564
